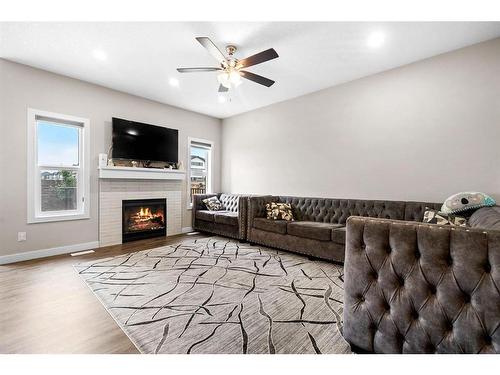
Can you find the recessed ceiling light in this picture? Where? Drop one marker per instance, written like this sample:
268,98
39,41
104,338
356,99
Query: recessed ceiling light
173,82
222,99
99,55
376,39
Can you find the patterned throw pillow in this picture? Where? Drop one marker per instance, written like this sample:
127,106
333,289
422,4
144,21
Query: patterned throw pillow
213,204
435,217
466,201
279,211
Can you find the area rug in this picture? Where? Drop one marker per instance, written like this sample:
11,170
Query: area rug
215,295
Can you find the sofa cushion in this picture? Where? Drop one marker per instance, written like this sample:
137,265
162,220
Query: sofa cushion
230,202
205,215
311,229
269,225
487,218
226,217
338,235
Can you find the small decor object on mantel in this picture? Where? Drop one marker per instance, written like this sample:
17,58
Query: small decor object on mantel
135,164
466,201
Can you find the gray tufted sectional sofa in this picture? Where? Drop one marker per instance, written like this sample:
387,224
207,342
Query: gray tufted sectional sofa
319,228
410,287
423,288
229,222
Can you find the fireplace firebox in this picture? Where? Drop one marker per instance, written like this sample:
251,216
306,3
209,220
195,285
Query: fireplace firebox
143,218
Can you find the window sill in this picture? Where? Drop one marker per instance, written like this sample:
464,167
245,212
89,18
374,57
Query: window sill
48,219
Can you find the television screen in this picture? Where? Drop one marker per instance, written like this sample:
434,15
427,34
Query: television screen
138,141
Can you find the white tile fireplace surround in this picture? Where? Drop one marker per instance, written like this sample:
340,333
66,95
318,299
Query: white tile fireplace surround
113,191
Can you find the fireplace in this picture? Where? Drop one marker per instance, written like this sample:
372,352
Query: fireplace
143,218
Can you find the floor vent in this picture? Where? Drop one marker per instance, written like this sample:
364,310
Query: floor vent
82,253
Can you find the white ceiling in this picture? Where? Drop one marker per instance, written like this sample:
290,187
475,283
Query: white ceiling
142,57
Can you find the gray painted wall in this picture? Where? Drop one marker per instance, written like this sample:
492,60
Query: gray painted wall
420,132
22,87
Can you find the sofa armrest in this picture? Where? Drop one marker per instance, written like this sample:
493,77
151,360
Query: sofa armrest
257,208
421,288
243,215
198,203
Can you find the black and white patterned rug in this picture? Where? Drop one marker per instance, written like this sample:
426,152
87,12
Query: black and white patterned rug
215,295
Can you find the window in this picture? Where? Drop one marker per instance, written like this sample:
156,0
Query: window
199,167
58,180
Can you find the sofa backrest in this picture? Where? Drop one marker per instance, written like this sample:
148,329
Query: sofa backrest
414,211
421,288
230,202
328,210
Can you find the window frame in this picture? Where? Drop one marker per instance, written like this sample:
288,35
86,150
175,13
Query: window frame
35,214
209,168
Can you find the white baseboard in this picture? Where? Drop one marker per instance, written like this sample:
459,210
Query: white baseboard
36,254
187,229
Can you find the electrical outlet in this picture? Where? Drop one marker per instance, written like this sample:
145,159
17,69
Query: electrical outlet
21,236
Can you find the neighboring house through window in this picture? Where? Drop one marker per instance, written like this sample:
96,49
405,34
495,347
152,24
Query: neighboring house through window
58,180
200,176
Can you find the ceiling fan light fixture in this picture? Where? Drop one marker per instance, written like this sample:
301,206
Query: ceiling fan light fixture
229,78
224,79
235,78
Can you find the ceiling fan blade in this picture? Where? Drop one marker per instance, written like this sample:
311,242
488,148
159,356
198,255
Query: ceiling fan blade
256,78
223,88
211,48
194,70
258,58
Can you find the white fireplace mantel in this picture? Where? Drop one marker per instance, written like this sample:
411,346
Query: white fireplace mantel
141,173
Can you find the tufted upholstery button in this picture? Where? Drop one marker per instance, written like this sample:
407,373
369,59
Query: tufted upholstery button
487,267
417,254
449,326
466,298
487,339
375,275
401,281
430,348
432,289
386,306
361,298
389,250
414,314
449,260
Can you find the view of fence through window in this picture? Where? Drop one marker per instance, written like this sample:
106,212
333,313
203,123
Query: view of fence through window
199,159
58,154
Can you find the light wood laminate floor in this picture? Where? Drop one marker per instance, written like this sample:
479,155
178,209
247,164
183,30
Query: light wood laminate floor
45,307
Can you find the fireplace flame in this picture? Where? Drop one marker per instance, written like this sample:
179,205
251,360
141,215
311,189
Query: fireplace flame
145,212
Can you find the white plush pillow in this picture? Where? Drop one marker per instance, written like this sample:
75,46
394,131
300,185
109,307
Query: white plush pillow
466,201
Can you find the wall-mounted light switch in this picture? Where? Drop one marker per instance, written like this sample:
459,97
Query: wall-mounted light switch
21,236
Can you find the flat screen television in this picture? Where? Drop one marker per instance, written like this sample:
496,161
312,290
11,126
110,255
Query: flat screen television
138,141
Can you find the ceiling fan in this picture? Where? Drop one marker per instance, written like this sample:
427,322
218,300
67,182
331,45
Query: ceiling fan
230,68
